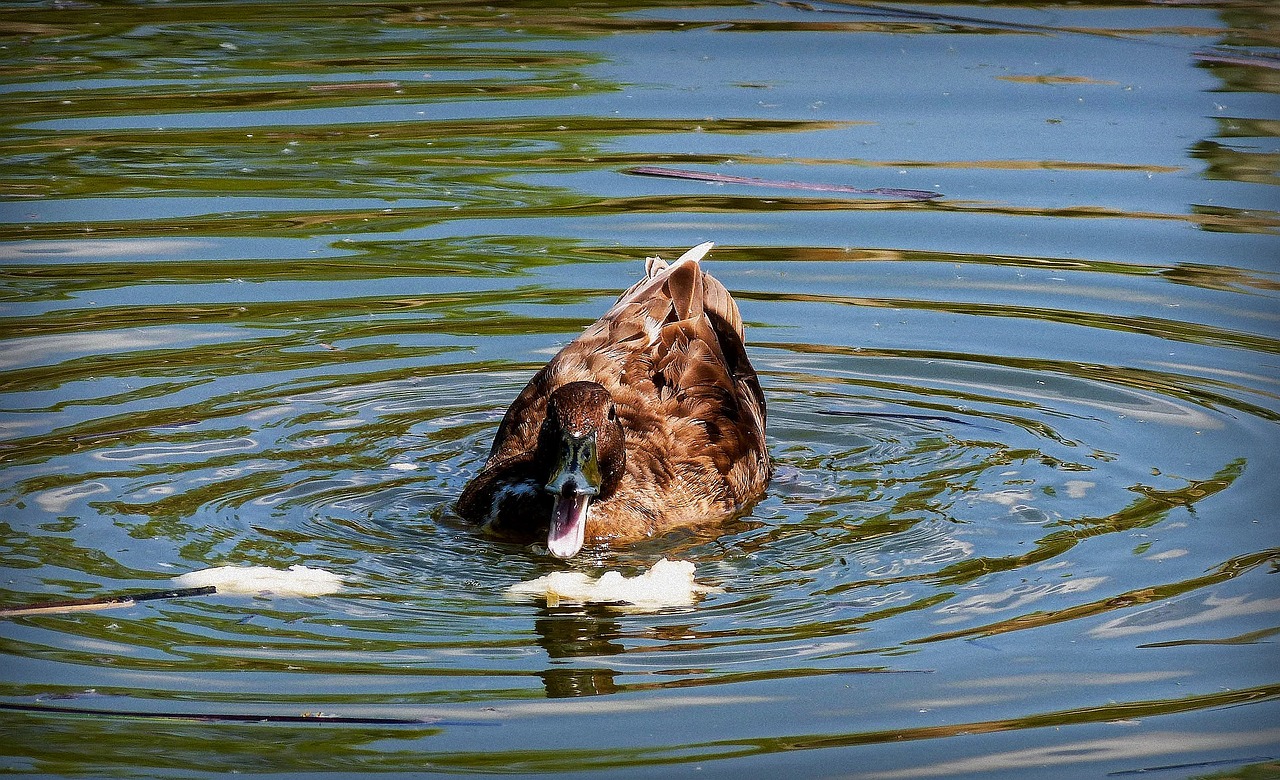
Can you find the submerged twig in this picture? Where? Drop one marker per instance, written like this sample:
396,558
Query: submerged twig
317,717
722,178
903,416
1194,765
932,17
1235,57
104,602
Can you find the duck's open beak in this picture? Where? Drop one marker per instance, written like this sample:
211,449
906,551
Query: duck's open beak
573,484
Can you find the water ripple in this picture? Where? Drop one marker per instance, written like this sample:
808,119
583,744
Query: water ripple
272,274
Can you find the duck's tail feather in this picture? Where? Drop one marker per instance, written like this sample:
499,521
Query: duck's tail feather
690,290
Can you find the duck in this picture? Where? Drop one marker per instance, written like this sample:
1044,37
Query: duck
651,420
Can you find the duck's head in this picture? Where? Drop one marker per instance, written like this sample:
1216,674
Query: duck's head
582,441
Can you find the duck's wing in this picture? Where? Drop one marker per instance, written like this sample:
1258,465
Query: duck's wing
700,374
670,351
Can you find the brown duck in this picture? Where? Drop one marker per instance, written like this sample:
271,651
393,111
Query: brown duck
651,419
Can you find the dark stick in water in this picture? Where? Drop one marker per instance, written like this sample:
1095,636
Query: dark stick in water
721,178
103,602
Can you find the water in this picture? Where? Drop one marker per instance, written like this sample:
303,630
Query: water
273,271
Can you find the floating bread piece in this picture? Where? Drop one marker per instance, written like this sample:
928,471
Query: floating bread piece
296,581
667,584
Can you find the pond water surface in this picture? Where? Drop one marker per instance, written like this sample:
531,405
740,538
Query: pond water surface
273,271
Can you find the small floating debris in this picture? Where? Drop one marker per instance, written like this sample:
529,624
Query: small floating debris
721,178
254,580
667,584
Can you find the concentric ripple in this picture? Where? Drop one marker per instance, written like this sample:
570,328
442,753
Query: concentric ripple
272,273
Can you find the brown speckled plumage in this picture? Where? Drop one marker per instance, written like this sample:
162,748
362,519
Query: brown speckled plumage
680,426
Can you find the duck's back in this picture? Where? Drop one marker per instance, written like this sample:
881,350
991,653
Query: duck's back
670,352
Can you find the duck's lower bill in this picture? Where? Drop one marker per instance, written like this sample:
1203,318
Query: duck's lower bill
568,525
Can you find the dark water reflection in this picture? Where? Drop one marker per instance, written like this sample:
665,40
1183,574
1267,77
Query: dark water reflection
271,273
